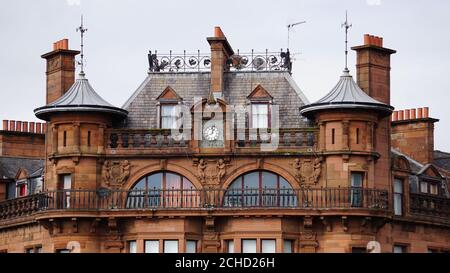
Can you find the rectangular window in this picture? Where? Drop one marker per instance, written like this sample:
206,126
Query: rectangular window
230,246
89,138
357,179
433,189
248,246
22,190
62,251
359,250
260,115
333,132
398,196
38,249
65,138
288,246
66,186
132,247
151,246
170,246
423,187
399,249
29,250
191,246
357,135
169,116
268,246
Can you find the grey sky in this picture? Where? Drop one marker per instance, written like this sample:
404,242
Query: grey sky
121,33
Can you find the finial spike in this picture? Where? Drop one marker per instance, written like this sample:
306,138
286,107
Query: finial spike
346,25
82,30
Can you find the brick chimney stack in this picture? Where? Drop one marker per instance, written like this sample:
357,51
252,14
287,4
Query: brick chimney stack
373,68
220,52
60,69
413,133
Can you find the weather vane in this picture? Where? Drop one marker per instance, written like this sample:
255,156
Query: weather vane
82,30
346,25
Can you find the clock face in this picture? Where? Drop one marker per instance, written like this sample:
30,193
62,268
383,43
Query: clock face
211,133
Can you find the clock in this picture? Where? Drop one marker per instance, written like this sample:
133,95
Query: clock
211,133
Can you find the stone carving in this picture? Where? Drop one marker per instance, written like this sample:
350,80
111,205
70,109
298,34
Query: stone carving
116,173
211,174
221,170
307,171
201,167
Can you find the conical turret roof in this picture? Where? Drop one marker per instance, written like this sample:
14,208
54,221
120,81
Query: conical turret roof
80,97
346,95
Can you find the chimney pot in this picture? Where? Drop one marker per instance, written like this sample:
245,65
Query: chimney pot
426,112
18,126
366,39
65,44
218,32
5,124
413,113
38,127
12,125
381,41
32,128
44,128
419,113
395,116
400,114
407,116
25,126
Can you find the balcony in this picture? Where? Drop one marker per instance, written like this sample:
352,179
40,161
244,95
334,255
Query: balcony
226,202
160,141
429,205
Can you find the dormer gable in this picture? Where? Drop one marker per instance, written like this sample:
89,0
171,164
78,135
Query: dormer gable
169,95
260,93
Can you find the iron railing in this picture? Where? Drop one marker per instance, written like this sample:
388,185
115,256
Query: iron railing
99,200
425,204
197,62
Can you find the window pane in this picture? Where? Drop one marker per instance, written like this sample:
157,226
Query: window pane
399,249
67,179
269,180
433,189
357,179
170,246
398,186
173,181
230,246
168,110
155,181
268,246
248,246
132,247
424,187
287,246
151,246
398,204
191,246
251,180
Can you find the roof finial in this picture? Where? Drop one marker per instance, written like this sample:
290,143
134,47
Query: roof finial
346,25
82,30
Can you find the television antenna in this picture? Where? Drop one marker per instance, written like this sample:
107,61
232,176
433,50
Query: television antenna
346,25
289,27
82,30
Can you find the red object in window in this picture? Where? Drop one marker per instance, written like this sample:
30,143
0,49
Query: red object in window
22,190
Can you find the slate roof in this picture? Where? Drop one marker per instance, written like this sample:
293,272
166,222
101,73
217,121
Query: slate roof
9,166
237,86
346,94
442,160
80,97
416,167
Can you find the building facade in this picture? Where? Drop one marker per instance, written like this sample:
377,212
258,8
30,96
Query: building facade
224,153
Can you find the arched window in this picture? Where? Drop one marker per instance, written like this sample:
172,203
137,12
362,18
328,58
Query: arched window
163,189
260,189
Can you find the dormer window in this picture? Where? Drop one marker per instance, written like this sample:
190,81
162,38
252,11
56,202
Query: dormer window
169,116
260,102
169,110
260,115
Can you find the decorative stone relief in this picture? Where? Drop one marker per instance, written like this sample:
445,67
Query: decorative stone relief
116,173
307,171
212,172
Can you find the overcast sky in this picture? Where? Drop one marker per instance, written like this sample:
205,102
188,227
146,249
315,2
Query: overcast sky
120,33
